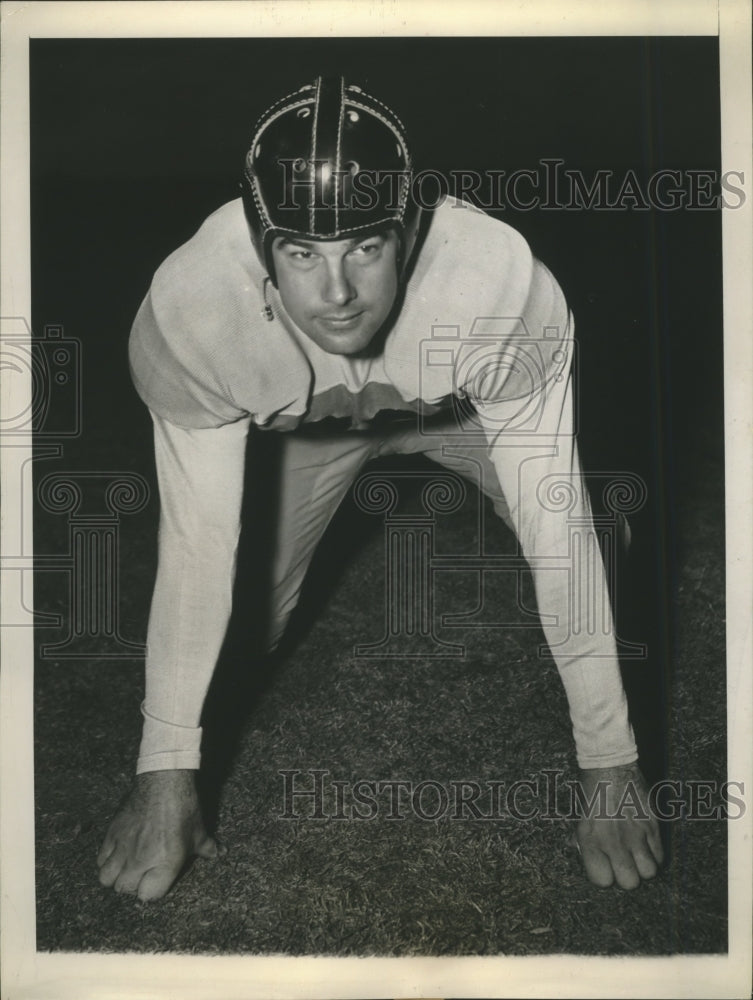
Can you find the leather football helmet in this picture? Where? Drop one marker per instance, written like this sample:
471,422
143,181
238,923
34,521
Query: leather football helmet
328,162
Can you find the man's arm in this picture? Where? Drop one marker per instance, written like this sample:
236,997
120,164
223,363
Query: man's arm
200,475
539,470
542,480
159,826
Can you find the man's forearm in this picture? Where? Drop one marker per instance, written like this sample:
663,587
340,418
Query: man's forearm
201,483
541,477
573,599
189,615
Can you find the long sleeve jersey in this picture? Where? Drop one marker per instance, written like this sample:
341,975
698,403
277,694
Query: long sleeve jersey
481,326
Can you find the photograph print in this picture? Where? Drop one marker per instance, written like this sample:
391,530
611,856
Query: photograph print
378,491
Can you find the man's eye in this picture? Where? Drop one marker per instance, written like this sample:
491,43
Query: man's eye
302,254
367,248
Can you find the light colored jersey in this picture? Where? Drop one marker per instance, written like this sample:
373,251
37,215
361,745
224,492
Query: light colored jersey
202,355
484,332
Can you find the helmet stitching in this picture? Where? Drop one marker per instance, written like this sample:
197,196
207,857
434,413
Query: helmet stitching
312,158
338,159
350,97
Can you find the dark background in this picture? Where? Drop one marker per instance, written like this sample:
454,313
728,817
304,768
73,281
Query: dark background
135,142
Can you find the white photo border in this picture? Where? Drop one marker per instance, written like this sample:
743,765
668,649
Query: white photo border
29,974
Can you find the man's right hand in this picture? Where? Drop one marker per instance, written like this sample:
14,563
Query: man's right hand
157,829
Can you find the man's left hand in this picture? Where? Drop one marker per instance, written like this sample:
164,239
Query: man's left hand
619,839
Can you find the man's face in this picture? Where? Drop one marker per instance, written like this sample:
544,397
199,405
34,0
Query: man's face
341,292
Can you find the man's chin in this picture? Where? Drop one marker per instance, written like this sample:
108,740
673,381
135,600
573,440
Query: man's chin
346,350
346,342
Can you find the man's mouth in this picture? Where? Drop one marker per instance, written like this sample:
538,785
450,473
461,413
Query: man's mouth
342,322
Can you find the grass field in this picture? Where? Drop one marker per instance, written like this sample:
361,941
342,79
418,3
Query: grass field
381,886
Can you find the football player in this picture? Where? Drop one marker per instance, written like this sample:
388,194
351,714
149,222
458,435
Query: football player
301,309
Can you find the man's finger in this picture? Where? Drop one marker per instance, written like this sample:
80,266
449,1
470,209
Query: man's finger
157,881
128,880
208,848
625,870
597,865
112,867
644,862
654,842
108,846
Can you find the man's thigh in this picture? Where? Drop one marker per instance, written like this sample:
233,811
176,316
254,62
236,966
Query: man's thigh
317,470
457,445
315,473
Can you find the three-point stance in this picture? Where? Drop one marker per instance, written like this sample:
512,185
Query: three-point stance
301,308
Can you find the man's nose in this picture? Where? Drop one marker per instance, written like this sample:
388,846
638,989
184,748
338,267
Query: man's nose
338,288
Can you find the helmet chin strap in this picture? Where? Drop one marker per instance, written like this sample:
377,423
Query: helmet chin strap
266,311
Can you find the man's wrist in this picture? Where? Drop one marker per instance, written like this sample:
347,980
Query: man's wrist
166,746
616,772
